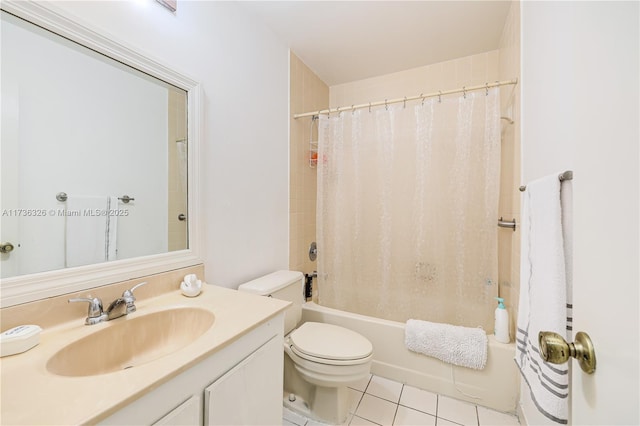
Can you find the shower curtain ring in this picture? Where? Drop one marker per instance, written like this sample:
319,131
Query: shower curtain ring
464,92
338,111
422,99
439,96
386,106
486,89
369,106
404,104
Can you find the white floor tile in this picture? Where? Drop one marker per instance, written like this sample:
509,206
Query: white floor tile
376,410
385,388
359,421
488,417
354,399
293,417
348,421
312,422
442,422
419,399
362,384
408,417
457,411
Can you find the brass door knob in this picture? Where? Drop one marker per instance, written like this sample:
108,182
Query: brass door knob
6,247
556,350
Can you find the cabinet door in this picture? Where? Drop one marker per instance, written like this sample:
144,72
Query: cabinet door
251,392
187,414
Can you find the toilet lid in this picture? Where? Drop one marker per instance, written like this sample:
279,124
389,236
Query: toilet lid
328,341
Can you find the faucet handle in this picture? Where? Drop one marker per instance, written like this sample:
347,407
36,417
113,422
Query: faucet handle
129,293
95,313
130,298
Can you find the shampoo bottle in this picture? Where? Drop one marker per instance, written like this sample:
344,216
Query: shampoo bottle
501,328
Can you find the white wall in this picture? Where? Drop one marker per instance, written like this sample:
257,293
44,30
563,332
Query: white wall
66,141
580,109
243,69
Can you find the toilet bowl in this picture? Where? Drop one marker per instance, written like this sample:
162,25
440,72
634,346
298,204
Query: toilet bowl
321,360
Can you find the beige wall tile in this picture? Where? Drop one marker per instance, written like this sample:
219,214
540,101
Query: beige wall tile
509,67
308,93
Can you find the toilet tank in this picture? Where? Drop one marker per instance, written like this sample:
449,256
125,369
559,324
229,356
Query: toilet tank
283,285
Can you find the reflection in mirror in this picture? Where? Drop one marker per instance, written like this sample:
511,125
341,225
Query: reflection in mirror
79,123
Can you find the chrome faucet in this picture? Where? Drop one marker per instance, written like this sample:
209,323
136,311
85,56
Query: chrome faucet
94,313
121,306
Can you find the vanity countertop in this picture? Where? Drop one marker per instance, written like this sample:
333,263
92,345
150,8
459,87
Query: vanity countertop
32,395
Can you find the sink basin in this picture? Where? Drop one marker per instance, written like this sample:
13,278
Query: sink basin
131,341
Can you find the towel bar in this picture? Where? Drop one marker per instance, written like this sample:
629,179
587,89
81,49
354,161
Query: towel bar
125,199
568,175
62,197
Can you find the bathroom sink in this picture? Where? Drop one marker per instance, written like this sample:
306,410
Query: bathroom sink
131,341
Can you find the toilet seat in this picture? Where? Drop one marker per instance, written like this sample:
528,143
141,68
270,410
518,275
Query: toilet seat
330,344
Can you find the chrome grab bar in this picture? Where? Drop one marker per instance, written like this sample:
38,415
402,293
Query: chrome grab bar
507,223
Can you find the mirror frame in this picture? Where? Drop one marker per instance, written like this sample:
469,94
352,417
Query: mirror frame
30,287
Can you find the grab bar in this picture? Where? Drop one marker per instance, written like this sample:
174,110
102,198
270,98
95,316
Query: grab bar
507,223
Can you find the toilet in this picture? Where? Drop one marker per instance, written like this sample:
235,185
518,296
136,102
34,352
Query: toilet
321,360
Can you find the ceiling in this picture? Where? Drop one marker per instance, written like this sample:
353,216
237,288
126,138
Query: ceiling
343,41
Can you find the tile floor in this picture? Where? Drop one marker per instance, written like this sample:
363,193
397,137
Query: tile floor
380,401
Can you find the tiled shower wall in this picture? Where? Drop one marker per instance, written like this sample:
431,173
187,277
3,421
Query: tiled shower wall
308,93
509,208
177,132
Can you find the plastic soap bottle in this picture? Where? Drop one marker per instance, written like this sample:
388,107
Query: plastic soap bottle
501,328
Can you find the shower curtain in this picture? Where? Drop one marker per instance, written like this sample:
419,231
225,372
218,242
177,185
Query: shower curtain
407,209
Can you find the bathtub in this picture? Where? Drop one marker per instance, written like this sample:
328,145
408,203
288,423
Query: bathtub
496,386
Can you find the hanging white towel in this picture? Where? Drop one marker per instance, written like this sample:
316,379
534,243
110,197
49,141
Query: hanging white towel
457,345
543,305
91,230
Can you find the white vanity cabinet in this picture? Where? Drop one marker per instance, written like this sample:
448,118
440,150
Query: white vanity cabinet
187,413
241,384
245,395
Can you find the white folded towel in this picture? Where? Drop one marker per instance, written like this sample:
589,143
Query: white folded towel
544,299
457,345
90,230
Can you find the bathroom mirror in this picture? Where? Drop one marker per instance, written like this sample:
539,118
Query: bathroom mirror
97,157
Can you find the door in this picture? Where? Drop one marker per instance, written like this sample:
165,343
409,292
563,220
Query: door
580,112
188,414
250,393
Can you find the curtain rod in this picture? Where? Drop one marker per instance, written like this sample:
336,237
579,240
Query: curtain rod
405,99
